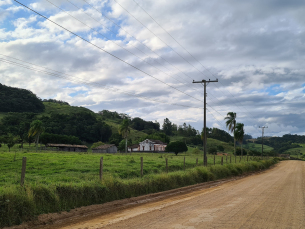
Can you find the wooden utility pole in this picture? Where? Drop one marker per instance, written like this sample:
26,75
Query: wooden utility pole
204,82
263,130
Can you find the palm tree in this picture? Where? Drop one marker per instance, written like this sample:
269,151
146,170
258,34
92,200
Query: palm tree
36,129
124,130
231,123
239,134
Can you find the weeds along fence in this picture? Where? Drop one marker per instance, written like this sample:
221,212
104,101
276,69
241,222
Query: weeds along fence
24,203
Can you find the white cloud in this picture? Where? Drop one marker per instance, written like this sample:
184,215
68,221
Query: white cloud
248,53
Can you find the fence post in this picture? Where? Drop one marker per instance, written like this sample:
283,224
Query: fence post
214,159
221,160
166,165
141,166
23,171
184,164
197,161
101,168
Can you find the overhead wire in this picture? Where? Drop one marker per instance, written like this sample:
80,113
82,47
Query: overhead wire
66,76
144,60
106,51
137,40
180,46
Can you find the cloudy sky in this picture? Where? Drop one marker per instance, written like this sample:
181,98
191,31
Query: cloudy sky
140,57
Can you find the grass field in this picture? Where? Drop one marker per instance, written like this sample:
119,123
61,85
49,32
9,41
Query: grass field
296,151
64,167
257,147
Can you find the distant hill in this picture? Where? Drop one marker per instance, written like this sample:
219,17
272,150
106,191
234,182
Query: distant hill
19,100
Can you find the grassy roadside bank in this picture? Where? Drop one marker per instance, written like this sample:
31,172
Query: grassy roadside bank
22,204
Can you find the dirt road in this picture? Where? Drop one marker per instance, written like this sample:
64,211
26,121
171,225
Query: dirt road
271,199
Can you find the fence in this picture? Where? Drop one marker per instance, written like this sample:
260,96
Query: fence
167,162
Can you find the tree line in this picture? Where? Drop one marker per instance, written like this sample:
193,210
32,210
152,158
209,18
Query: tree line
19,100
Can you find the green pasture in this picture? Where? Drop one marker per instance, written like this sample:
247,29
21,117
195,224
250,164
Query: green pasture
47,167
296,151
257,147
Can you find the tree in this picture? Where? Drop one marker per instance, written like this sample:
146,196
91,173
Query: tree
230,124
97,144
167,127
176,147
220,148
239,134
36,130
124,130
212,150
115,139
10,141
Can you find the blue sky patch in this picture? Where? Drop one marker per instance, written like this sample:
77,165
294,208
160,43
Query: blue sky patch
78,93
274,89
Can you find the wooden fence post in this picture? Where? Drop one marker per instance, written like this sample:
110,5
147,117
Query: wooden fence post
166,164
141,166
101,168
23,171
184,164
221,160
214,159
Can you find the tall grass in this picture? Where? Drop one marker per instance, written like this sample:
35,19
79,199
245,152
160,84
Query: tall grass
19,204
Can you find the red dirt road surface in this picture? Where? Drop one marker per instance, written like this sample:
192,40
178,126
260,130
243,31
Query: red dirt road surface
271,199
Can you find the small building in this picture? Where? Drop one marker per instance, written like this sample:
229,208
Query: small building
68,148
133,148
149,145
106,148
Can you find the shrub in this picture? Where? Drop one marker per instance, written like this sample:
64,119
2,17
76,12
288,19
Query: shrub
22,204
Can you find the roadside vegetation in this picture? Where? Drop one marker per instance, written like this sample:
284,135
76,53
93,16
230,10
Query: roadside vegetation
62,181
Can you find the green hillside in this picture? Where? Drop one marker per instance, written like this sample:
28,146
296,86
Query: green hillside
19,100
58,108
296,151
257,147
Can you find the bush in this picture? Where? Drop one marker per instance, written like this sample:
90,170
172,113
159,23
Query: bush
220,148
212,150
22,204
238,151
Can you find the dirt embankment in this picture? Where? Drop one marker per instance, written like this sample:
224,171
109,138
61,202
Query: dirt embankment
271,199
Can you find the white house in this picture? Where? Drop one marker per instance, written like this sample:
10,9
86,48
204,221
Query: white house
148,145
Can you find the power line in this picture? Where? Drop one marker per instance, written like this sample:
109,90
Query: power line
156,36
137,40
184,49
62,75
105,50
111,40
